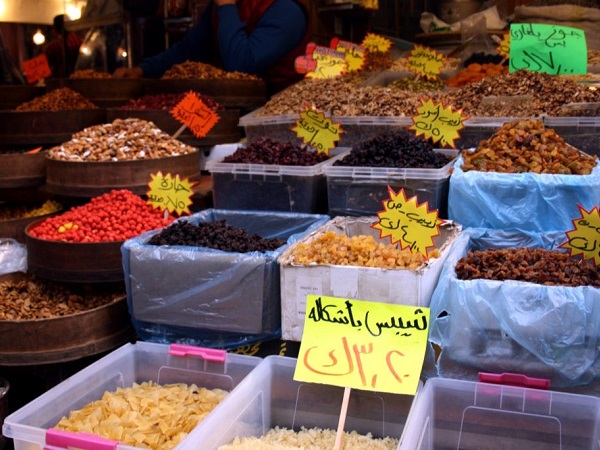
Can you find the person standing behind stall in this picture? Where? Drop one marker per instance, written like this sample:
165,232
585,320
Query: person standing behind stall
63,50
260,37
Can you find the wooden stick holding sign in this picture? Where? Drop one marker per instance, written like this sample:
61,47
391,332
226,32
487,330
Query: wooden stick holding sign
342,421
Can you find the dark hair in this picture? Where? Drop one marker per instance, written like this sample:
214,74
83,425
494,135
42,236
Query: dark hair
59,23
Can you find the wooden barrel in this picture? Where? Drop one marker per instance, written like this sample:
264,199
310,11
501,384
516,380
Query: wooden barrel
225,131
44,128
235,94
77,262
103,92
90,179
66,338
15,228
22,170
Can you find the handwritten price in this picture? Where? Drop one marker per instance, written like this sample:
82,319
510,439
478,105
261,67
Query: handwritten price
376,43
362,344
438,123
584,239
170,193
194,113
317,131
425,61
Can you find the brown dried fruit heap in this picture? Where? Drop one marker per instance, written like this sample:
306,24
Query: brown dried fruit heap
62,99
533,265
527,146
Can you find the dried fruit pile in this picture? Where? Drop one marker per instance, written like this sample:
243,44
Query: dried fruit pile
527,146
31,299
217,235
269,151
115,216
123,139
475,72
168,101
361,250
84,74
398,149
145,415
62,99
22,212
533,265
201,71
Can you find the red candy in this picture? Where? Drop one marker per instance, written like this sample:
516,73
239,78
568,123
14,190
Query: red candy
115,216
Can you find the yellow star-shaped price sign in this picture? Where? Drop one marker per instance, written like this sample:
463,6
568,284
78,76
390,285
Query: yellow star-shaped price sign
425,61
584,239
354,54
317,131
170,193
504,45
329,63
408,223
376,43
438,123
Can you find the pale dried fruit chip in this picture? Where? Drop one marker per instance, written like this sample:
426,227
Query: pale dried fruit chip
146,415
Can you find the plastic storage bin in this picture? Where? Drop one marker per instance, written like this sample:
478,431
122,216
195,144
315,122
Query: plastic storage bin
269,187
131,363
401,286
270,397
211,297
360,191
582,133
356,128
453,414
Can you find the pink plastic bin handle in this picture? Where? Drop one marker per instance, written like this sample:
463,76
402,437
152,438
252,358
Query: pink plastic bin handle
209,354
514,379
84,441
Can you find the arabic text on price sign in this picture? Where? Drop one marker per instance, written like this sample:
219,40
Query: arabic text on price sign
354,53
504,46
376,43
329,63
317,131
36,68
425,61
361,344
193,112
170,193
438,123
584,239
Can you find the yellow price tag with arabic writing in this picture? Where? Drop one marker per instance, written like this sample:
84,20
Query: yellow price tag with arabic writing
365,345
504,46
354,53
425,61
438,123
408,223
170,193
584,239
329,63
317,131
376,43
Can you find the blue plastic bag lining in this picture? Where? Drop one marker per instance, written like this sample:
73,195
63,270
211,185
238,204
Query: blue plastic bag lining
208,297
526,201
512,326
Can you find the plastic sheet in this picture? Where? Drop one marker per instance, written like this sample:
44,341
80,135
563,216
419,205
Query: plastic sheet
526,201
512,326
13,256
202,296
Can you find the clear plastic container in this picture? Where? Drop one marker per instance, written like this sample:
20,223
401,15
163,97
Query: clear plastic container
129,364
454,414
360,191
270,397
582,132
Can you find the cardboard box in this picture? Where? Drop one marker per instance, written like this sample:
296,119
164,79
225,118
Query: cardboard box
398,286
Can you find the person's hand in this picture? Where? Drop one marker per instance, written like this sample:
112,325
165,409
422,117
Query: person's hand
124,72
225,2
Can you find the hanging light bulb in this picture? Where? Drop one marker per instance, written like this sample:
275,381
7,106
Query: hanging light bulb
38,37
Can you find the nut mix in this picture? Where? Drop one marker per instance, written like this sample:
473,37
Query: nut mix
398,149
539,266
32,299
23,212
268,151
167,102
527,146
146,415
417,84
361,250
201,71
401,64
217,235
115,216
61,99
89,73
123,139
